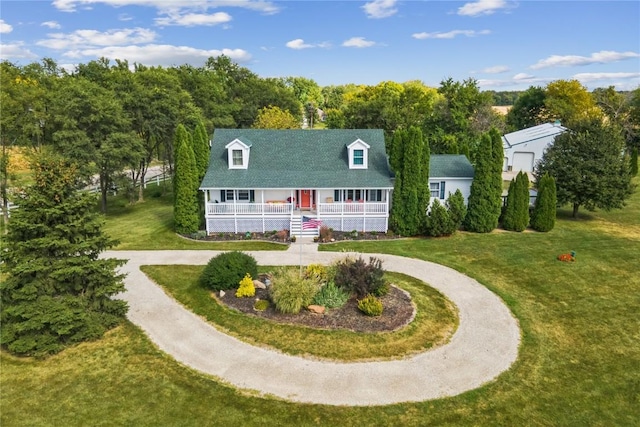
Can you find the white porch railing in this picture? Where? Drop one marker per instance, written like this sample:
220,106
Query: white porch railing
352,208
249,208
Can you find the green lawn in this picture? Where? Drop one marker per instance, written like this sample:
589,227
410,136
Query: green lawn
149,226
578,361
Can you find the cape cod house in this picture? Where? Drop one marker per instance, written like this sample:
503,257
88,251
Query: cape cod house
262,180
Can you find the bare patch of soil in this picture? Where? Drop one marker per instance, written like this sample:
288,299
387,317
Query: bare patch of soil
398,311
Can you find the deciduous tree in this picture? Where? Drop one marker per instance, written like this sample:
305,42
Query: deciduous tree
272,117
589,167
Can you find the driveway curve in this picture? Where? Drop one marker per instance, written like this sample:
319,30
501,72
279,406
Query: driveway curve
484,345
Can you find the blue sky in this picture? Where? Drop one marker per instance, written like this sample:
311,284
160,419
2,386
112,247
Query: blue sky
505,45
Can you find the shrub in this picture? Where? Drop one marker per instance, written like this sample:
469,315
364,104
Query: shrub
438,221
354,275
370,305
261,305
246,289
317,271
290,293
457,210
225,271
326,234
543,217
382,290
331,296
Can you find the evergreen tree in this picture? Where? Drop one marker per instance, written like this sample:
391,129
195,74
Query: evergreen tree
424,194
185,183
483,208
543,217
509,217
56,291
457,210
201,149
397,214
497,152
516,216
439,221
396,151
522,201
634,162
411,175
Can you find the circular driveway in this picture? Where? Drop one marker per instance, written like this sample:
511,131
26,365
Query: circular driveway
484,345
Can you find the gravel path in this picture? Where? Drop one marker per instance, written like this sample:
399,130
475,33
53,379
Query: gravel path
485,344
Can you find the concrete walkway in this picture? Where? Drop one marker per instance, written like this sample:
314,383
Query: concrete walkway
485,344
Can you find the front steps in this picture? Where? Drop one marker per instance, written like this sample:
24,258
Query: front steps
296,228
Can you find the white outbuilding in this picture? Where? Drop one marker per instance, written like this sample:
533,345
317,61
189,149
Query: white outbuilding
524,148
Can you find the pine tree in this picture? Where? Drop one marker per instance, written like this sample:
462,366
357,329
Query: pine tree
185,184
483,208
543,217
56,291
201,149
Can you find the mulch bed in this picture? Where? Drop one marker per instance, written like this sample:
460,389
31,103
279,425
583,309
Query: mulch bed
336,236
398,312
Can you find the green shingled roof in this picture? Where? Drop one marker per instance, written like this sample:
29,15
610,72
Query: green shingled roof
450,166
298,159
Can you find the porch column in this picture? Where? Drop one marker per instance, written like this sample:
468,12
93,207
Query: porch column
206,210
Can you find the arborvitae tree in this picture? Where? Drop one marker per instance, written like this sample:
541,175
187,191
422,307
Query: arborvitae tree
396,222
484,204
497,152
457,210
396,150
56,290
509,217
411,176
522,201
185,184
201,149
439,221
424,195
516,216
634,162
543,217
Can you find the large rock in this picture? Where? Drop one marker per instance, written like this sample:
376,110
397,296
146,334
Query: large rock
259,285
317,309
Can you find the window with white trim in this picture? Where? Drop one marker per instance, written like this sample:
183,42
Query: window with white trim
237,157
358,157
437,190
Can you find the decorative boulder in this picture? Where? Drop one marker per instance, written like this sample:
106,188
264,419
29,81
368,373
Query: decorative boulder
317,309
259,285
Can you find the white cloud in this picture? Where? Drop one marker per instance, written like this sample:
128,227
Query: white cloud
590,77
358,42
15,51
602,57
4,27
165,55
193,19
88,38
450,34
172,5
482,7
496,69
523,76
51,24
298,44
125,17
377,9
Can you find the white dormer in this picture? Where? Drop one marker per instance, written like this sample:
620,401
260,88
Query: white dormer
238,153
358,154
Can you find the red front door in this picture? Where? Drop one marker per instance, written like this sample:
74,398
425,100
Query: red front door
305,199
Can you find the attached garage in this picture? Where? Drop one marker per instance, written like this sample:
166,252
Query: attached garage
523,162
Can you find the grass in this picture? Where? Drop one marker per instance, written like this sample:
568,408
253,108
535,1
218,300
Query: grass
149,226
577,366
434,323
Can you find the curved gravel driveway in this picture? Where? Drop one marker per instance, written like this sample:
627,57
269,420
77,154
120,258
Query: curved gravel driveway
484,345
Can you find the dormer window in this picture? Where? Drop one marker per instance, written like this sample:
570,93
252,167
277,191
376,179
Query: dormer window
358,154
238,154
